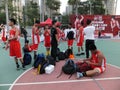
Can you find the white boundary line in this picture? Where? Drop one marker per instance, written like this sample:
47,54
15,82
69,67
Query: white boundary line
58,82
14,83
11,85
113,66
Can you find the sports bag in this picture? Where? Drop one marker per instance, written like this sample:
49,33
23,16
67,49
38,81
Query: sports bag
68,68
61,56
39,60
27,59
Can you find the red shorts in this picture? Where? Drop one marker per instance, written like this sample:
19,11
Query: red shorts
80,44
70,42
80,41
35,47
15,49
47,44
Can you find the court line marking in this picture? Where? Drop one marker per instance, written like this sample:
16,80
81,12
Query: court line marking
11,85
58,82
14,83
115,66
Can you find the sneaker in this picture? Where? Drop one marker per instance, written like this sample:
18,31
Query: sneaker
79,75
82,53
23,67
18,67
78,54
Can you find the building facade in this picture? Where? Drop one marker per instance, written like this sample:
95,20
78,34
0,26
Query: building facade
110,6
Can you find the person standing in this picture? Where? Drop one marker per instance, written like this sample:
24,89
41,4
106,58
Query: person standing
35,37
4,34
71,34
80,39
14,44
54,40
89,31
24,32
47,40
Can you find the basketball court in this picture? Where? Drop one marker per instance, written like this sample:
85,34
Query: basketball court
12,79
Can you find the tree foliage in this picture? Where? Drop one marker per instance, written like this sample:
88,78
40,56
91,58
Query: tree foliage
31,13
97,7
53,5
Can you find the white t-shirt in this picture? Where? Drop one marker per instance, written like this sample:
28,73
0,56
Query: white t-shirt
68,30
89,32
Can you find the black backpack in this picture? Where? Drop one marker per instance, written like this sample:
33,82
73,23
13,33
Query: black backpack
51,60
61,56
69,68
27,59
43,66
67,53
70,35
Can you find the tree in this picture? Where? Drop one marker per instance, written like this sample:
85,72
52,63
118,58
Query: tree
65,19
12,11
96,7
31,13
2,13
53,5
74,4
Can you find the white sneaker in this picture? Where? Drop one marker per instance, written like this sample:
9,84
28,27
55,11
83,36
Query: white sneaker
79,75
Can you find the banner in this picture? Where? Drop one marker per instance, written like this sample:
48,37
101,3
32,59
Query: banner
105,23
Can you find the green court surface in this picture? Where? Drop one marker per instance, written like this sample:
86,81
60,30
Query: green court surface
8,72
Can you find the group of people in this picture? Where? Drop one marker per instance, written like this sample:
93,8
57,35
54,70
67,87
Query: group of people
97,60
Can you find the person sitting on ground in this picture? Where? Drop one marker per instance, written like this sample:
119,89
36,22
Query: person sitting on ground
97,63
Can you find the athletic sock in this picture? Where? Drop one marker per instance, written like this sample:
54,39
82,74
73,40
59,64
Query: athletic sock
23,65
46,53
49,52
84,73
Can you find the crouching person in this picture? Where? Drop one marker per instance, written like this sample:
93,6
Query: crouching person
97,62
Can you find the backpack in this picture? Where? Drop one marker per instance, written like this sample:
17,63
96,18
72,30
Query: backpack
39,59
68,68
67,53
27,59
51,60
83,66
70,35
42,67
61,56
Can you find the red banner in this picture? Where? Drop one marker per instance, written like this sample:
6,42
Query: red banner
105,23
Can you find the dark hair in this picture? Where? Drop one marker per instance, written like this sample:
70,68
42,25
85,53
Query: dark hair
27,41
82,23
88,21
70,24
37,21
53,22
13,20
92,47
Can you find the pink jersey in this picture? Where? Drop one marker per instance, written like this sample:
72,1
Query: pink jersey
35,37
